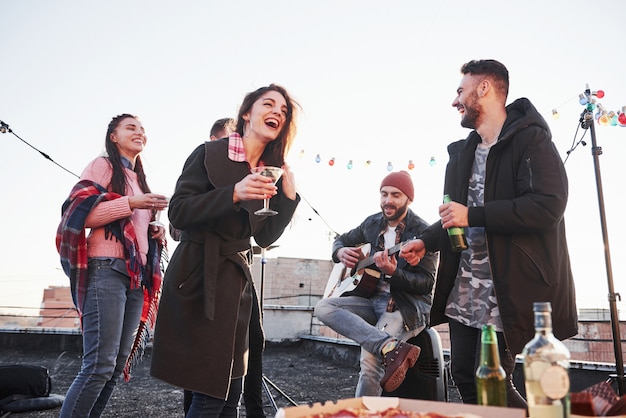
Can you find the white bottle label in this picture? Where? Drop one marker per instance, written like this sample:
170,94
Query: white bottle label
554,382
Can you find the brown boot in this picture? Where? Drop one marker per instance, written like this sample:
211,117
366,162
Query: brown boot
396,363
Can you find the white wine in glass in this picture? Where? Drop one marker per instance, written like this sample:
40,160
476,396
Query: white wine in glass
274,173
157,216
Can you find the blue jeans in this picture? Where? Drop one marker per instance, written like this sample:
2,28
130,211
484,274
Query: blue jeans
204,406
367,322
111,315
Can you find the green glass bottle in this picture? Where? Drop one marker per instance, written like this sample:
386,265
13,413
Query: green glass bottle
490,376
456,234
546,369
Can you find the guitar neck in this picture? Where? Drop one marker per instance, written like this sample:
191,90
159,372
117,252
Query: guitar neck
366,262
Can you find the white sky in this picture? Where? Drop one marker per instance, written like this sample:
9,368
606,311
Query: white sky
375,80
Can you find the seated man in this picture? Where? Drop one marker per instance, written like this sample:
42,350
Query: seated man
398,307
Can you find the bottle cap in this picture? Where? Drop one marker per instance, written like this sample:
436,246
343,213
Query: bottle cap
542,307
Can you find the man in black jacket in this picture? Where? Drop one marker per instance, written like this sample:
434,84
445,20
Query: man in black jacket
509,191
392,300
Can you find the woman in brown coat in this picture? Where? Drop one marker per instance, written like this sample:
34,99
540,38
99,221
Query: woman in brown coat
200,340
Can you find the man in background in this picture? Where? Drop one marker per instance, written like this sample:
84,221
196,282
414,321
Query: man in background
396,306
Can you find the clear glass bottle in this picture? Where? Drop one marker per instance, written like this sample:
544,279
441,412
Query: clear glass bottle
490,376
456,234
546,369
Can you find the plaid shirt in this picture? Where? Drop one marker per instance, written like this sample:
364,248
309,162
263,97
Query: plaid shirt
236,152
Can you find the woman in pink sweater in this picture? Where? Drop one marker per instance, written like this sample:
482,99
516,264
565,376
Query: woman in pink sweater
115,271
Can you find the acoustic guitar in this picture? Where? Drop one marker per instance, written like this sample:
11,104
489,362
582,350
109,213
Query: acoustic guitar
358,281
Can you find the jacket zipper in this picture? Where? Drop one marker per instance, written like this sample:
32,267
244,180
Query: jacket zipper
530,172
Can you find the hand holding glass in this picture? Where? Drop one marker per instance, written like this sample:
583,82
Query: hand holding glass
157,215
274,173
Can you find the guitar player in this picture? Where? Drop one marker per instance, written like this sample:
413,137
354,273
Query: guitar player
398,306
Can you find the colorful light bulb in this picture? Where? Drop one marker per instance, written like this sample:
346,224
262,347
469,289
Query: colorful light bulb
604,119
621,119
582,99
555,114
368,163
318,158
411,166
301,154
432,161
331,162
389,166
349,166
599,94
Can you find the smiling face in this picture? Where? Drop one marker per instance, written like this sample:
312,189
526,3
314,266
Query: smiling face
129,137
266,117
393,203
467,102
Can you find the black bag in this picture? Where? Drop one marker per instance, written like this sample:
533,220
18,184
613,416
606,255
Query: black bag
23,382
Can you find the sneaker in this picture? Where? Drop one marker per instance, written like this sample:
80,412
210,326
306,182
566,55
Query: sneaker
396,363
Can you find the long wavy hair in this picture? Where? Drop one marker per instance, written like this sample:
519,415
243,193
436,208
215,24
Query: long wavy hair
118,179
277,150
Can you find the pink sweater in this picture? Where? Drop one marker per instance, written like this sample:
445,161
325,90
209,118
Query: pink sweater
100,171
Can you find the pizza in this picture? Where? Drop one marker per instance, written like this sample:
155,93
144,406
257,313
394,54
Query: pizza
387,413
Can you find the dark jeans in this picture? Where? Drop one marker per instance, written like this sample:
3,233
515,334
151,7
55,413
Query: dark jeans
204,406
253,382
465,359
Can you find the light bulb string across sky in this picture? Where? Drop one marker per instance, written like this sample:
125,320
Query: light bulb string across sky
588,98
351,163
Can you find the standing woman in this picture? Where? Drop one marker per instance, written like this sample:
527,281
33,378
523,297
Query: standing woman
201,333
114,272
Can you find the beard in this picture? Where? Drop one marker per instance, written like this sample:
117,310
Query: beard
399,212
472,114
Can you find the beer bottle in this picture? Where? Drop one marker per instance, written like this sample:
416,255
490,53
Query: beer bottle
546,369
490,376
456,234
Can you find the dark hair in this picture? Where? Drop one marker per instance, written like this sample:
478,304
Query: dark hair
225,124
276,150
118,178
492,69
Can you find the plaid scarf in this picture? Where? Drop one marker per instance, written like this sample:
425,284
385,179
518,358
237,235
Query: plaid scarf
72,247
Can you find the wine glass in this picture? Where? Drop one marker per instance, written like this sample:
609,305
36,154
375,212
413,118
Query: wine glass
157,215
274,173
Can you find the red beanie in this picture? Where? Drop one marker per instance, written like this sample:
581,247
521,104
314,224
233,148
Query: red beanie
400,180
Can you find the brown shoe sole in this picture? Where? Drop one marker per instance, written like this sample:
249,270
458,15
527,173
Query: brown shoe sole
396,379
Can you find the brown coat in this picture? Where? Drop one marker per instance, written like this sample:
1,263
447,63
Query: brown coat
202,324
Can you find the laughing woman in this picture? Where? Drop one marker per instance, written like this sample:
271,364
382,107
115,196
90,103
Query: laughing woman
201,330
114,272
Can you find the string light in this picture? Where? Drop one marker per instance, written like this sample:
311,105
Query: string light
411,166
389,166
432,161
301,154
318,158
331,162
349,166
603,117
589,99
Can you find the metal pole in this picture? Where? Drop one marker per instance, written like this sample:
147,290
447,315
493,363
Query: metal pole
612,296
264,379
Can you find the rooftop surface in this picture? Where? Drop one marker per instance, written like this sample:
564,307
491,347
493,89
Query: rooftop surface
300,373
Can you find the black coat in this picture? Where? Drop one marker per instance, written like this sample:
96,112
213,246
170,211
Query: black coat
201,332
526,193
